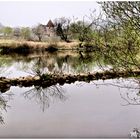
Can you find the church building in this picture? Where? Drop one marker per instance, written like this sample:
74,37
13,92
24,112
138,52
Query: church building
50,29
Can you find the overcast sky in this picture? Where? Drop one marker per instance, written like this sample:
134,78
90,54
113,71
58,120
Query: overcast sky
30,13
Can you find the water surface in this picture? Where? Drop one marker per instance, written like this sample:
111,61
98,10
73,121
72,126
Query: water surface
99,109
80,110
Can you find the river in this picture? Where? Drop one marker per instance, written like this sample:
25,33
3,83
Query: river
98,109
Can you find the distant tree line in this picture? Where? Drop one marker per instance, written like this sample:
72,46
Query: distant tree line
119,23
65,29
7,32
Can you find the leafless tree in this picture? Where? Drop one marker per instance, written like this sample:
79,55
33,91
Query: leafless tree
62,28
39,31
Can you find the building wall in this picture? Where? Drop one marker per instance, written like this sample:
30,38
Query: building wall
50,31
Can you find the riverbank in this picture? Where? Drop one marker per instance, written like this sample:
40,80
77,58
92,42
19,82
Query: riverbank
28,46
47,80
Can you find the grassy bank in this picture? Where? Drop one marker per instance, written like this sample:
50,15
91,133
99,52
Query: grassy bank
31,45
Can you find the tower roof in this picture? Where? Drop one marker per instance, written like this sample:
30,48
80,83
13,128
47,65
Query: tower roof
50,24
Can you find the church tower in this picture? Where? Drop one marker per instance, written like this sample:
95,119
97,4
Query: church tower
50,28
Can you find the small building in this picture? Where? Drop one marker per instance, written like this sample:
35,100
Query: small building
49,32
50,29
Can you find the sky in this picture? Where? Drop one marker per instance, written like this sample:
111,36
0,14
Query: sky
31,13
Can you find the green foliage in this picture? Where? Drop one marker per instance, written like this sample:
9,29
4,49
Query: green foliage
81,31
25,33
7,31
123,11
46,76
120,35
123,17
1,30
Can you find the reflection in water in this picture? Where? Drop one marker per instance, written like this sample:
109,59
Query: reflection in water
4,63
38,67
58,62
4,98
63,62
44,96
129,90
131,94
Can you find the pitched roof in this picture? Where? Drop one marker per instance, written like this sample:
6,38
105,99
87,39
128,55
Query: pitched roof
50,24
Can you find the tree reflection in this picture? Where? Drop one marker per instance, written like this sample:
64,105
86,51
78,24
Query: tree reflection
44,96
37,67
129,89
131,93
4,98
5,63
60,62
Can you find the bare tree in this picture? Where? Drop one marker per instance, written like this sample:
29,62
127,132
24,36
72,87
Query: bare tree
39,31
123,12
62,28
